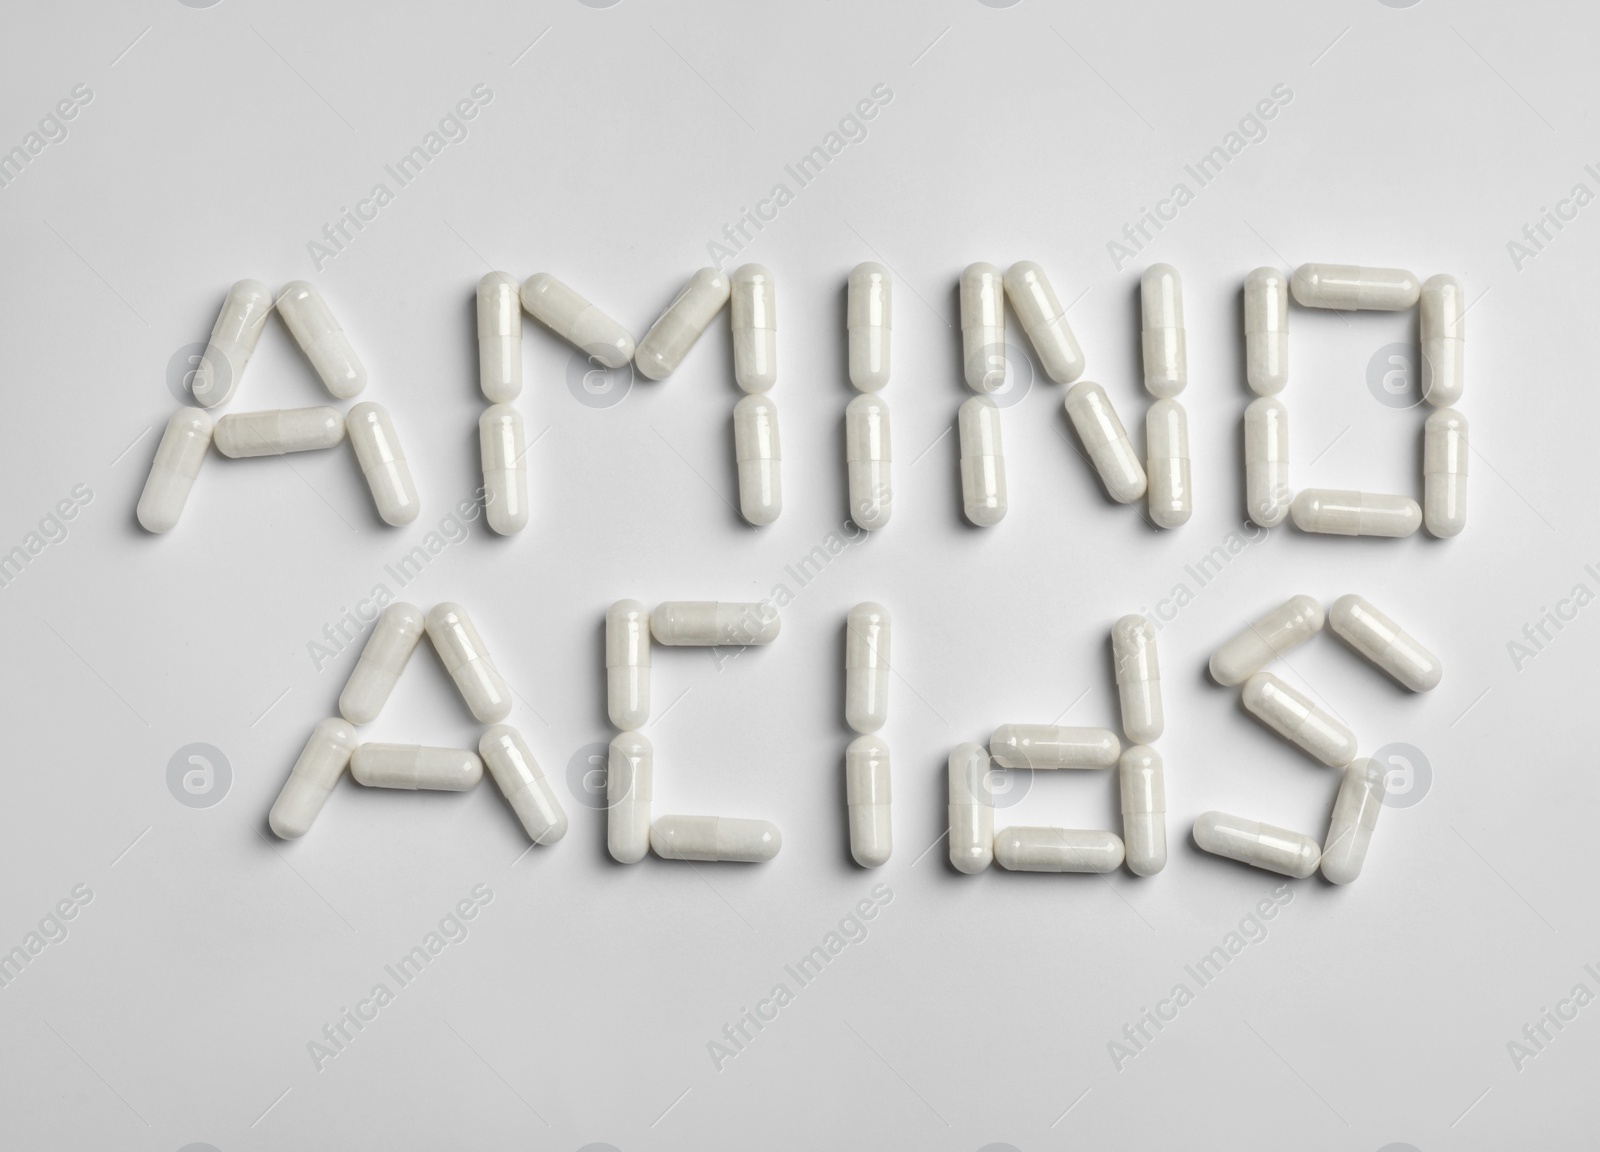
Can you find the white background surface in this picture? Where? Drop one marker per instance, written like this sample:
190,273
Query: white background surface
978,1010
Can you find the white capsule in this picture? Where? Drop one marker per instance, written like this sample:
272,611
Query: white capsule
1267,494
983,462
1348,288
869,321
505,471
866,667
1266,331
1338,512
1355,815
753,317
387,652
630,786
464,656
1142,784
1024,849
1166,358
411,766
383,463
580,323
866,785
1262,845
499,338
971,809
318,769
759,454
242,434
983,327
1133,649
1264,639
313,327
1443,327
867,459
1091,413
1045,746
178,458
628,665
233,338
522,784
709,624
1166,434
1445,446
715,838
1293,716
670,337
1381,641
1044,320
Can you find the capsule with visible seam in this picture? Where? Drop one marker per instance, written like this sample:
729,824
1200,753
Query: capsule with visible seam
1044,321
1336,512
1293,716
321,763
1445,446
630,786
1266,331
499,337
1267,494
866,783
715,838
1261,845
1025,849
759,454
1166,357
464,656
1355,815
505,471
1133,648
1381,641
1279,630
867,459
1346,288
240,435
983,462
1166,433
1091,413
866,663
579,322
753,318
413,767
312,324
971,809
1442,326
983,327
675,332
628,665
1048,747
383,463
1142,785
177,462
523,784
233,339
869,324
388,650
710,624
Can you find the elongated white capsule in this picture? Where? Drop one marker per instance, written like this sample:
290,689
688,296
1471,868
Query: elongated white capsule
1444,472
1267,494
313,327
1338,512
499,338
178,458
866,785
715,838
983,327
412,766
759,454
1293,716
1044,320
630,786
233,338
462,651
1023,849
388,651
1143,787
241,434
1381,641
311,780
505,471
581,324
1133,648
383,463
670,337
983,462
1166,356
1262,845
1260,642
753,317
866,667
867,458
1045,746
1166,434
1266,331
708,624
869,321
971,809
628,665
1355,815
1350,289
1091,413
522,784
1443,328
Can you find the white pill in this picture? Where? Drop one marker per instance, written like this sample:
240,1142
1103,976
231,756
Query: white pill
670,337
233,338
1293,716
1443,328
983,327
1166,434
1044,320
866,784
1266,331
1142,784
242,434
1264,639
1091,413
971,809
1166,357
1252,842
1133,649
1339,512
411,766
383,463
867,458
505,470
499,338
759,454
1350,289
869,321
1045,746
983,462
709,624
1444,472
630,787
1024,849
321,762
178,458
866,667
462,651
1381,641
715,838
313,327
387,652
628,665
522,784
580,323
1355,815
1267,494
753,318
